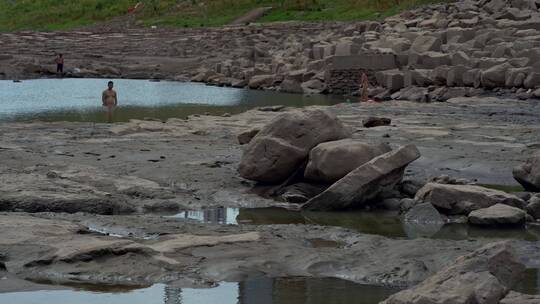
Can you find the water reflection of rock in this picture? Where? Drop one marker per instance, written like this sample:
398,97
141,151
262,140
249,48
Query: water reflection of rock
381,223
219,215
281,291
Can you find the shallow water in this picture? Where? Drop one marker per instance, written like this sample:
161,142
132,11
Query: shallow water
80,99
382,223
258,291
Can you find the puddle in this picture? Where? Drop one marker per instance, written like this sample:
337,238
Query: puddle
220,215
258,291
80,99
382,223
120,233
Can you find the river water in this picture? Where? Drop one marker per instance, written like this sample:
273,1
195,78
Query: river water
383,223
73,99
257,291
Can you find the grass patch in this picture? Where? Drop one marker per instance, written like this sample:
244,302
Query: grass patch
63,14
505,188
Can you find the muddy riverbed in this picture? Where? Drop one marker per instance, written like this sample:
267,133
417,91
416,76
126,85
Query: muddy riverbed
160,202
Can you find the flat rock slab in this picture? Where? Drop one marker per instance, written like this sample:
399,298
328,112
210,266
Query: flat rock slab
365,182
499,214
56,249
75,188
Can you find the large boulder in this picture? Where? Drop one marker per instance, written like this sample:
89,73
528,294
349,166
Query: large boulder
516,77
366,182
261,81
454,76
291,86
390,79
471,78
282,145
499,214
462,199
532,81
424,44
429,60
495,76
330,161
417,77
528,174
313,86
482,277
461,58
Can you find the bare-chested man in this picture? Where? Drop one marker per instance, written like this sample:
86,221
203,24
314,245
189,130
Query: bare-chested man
109,99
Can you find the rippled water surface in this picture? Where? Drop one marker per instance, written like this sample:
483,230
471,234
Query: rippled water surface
80,99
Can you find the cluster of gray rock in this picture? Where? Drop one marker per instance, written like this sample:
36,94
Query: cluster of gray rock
313,161
308,150
433,53
310,156
467,44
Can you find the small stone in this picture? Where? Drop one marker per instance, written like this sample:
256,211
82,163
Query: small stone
371,122
52,174
498,214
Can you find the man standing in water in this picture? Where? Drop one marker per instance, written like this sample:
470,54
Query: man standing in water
109,100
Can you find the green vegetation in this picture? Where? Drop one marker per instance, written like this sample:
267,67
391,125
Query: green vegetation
505,188
62,14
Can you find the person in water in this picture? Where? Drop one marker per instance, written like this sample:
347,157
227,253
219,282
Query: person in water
109,99
59,64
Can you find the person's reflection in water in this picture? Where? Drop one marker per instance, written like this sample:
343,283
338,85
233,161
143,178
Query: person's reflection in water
109,99
173,295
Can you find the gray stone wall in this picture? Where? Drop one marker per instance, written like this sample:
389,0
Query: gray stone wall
344,81
344,73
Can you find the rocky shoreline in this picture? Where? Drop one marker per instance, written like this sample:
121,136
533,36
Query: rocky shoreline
434,53
68,180
89,203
